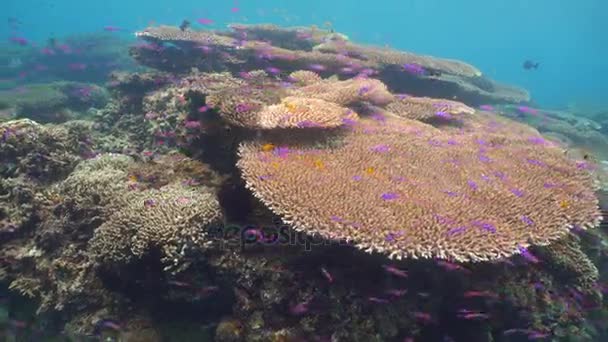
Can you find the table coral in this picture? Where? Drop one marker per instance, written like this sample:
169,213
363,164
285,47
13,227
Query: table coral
415,193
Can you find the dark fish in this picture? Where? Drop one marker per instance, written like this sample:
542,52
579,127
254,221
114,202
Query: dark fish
52,42
528,65
184,25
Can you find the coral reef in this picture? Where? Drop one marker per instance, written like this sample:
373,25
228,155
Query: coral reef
54,102
401,71
221,196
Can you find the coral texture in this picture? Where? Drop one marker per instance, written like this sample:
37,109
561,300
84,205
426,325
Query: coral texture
398,187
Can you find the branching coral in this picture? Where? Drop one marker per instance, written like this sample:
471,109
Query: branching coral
100,181
173,219
45,153
566,256
414,192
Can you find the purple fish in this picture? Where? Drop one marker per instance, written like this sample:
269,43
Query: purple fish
526,254
380,148
414,68
443,115
389,196
527,220
472,185
484,158
307,124
457,230
517,192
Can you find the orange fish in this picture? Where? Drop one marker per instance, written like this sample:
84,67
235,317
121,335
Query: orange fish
319,164
370,170
564,204
290,107
268,147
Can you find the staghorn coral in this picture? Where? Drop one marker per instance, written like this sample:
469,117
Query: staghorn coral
415,193
424,108
28,287
172,219
17,209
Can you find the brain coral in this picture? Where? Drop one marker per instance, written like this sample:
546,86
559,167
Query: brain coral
407,189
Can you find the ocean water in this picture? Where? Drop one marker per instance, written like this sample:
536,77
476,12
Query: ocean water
568,39
439,171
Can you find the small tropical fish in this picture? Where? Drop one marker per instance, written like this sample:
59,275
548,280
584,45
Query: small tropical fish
150,203
423,316
184,25
370,170
564,204
377,300
299,308
327,275
527,255
389,196
395,271
396,293
290,107
268,147
204,21
111,28
319,164
474,315
472,294
451,266
529,65
192,124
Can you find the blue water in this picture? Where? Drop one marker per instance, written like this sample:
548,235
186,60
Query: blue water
568,37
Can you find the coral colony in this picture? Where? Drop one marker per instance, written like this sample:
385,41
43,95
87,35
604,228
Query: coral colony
422,218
